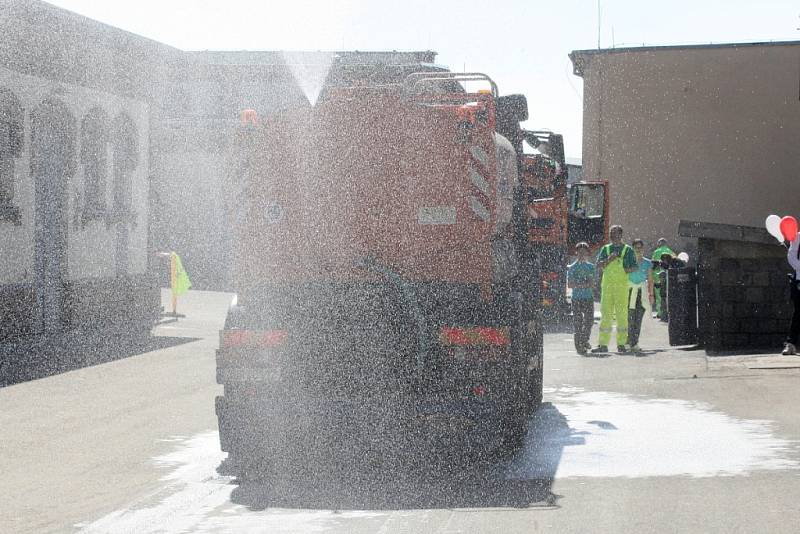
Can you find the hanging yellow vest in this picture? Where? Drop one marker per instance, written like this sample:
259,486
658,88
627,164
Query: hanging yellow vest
179,278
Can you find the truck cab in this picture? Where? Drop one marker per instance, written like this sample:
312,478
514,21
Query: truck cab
587,213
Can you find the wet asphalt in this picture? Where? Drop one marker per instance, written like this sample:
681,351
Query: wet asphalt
671,441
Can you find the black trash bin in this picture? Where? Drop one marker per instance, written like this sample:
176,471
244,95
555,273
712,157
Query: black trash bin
682,305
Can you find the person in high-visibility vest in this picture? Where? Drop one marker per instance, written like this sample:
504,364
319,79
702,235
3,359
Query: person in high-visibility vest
662,248
617,260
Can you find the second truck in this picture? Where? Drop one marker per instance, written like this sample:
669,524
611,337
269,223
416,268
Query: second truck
560,215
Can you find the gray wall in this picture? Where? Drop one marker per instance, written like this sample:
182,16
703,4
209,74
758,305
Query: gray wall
706,133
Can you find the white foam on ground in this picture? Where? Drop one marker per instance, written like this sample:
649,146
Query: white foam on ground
283,521
194,492
193,489
617,435
582,434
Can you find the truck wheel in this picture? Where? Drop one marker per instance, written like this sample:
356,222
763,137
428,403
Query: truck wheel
515,426
536,391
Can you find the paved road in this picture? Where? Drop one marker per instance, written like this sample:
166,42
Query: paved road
671,442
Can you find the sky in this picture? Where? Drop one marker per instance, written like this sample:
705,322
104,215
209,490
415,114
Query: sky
521,44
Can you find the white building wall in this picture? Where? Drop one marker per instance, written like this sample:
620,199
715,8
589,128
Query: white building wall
16,242
91,247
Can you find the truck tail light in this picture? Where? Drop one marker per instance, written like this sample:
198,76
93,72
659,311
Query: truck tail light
476,343
272,338
474,336
479,390
236,338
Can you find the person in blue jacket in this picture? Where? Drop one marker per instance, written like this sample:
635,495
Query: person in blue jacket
580,278
640,294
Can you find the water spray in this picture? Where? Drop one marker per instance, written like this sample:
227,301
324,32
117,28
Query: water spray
310,70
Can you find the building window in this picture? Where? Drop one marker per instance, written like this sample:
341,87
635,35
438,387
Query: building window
12,121
94,157
126,159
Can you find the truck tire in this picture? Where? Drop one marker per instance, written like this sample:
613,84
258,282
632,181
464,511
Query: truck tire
516,429
536,389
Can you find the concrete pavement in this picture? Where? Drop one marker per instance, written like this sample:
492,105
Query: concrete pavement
669,442
77,444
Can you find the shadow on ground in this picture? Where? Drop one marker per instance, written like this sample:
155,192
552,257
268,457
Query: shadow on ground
492,483
641,354
41,358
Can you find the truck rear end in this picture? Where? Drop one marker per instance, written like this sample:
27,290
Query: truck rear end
383,300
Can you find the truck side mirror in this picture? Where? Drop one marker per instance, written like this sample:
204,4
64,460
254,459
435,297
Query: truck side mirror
512,108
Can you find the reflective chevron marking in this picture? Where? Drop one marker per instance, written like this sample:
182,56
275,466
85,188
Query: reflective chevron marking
478,180
479,209
479,154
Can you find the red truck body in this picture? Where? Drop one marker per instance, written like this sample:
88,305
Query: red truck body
366,173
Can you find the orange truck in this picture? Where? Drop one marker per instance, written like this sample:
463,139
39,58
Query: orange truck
387,291
560,215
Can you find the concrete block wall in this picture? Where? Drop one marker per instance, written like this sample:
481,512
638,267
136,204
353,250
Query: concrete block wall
743,290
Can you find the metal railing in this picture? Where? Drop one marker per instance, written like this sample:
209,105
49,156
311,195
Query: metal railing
415,80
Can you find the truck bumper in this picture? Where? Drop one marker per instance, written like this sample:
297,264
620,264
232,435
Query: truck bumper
435,425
